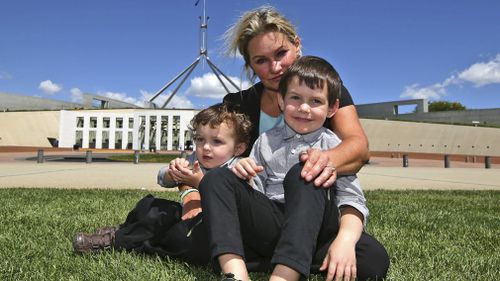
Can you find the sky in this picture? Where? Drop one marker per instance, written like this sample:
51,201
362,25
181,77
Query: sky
128,50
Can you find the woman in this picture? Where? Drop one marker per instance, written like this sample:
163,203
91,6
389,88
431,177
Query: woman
269,44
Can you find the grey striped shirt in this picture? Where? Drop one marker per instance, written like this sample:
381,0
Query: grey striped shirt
278,149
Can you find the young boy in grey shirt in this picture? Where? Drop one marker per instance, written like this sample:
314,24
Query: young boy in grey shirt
310,92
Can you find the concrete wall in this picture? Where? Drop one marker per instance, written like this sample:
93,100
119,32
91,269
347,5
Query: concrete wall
483,116
401,136
382,110
13,102
28,128
392,111
33,128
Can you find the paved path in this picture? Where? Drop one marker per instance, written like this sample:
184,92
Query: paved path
379,175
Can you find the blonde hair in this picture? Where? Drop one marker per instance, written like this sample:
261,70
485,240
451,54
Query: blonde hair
253,23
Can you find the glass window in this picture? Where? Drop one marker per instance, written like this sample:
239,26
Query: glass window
119,122
118,139
79,122
93,122
164,133
92,135
105,122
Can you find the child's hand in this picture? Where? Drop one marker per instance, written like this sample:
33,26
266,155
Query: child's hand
191,206
183,174
340,261
175,166
317,166
246,168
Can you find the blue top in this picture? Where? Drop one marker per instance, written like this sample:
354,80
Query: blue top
268,122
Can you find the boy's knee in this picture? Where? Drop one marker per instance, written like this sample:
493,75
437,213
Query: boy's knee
293,175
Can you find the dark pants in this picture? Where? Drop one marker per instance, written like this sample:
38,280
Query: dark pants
297,234
155,227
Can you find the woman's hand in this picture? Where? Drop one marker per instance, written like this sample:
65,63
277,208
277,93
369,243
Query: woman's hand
191,205
180,171
318,166
340,260
246,169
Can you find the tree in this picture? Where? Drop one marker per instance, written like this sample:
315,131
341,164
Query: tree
445,106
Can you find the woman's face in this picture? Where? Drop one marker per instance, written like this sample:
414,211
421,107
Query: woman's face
270,56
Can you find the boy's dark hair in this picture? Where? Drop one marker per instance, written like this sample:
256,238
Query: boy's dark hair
314,72
223,112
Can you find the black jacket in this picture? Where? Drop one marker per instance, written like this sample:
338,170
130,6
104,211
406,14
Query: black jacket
248,102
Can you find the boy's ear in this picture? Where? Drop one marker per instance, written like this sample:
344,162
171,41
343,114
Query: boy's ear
240,148
332,109
281,102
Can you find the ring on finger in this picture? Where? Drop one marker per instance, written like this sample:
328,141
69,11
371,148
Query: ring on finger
332,168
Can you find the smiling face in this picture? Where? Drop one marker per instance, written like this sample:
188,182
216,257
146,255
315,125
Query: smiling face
305,109
215,146
270,55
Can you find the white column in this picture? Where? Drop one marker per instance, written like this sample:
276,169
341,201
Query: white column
182,131
98,135
112,131
135,134
158,133
170,133
146,132
85,132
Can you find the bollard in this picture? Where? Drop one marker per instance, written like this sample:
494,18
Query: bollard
88,157
40,156
136,157
405,160
487,162
446,161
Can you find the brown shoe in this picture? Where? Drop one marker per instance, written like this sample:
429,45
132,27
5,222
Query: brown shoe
91,243
107,229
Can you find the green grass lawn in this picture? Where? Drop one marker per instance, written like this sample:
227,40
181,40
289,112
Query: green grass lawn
430,235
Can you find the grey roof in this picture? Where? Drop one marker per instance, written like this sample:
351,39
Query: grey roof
17,102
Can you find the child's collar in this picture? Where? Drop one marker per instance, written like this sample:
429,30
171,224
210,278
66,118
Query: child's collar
309,137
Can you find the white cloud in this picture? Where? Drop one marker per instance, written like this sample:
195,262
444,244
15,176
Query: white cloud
176,102
432,92
121,97
483,73
49,87
76,95
479,74
208,86
415,92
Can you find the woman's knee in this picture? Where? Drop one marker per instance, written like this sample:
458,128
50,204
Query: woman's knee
373,259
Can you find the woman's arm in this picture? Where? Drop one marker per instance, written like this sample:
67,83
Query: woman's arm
347,158
352,153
